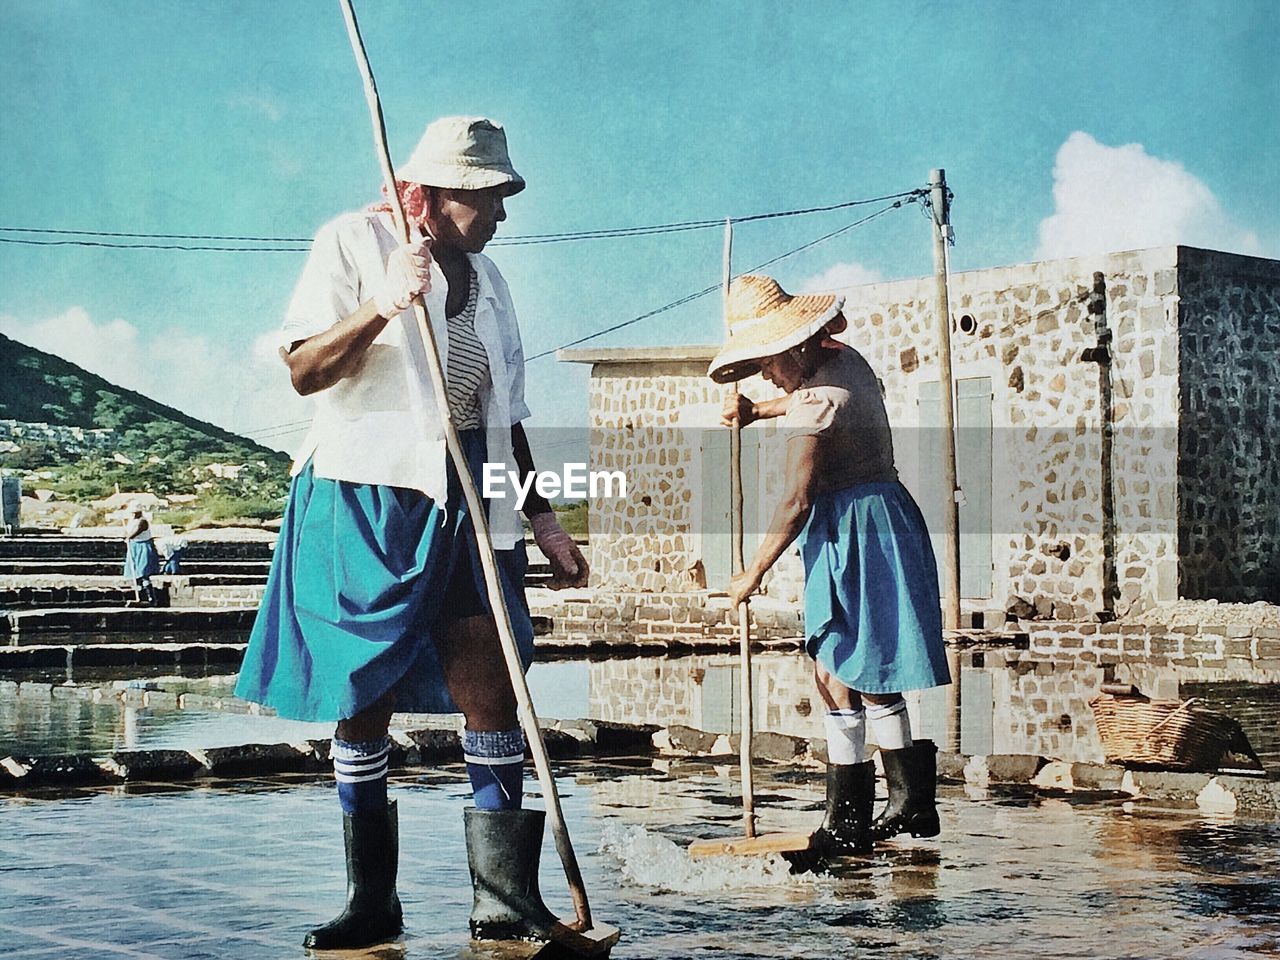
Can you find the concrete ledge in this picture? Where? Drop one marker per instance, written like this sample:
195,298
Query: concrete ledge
1223,793
411,748
71,656
1220,792
101,620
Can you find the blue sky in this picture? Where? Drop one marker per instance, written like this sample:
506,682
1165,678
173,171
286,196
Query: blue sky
1064,128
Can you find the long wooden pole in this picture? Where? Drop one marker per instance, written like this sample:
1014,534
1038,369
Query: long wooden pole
528,718
746,730
951,506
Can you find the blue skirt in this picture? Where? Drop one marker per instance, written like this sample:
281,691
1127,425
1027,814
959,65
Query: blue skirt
871,610
362,580
141,561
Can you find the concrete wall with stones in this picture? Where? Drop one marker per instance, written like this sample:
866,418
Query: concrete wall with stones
1083,519
1032,701
1031,326
1229,369
641,424
612,618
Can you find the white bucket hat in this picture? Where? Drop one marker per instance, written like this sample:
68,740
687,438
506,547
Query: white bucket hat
462,153
765,320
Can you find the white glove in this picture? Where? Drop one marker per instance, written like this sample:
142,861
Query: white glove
568,566
408,274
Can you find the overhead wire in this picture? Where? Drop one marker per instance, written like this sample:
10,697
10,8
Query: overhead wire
517,240
910,197
149,246
285,429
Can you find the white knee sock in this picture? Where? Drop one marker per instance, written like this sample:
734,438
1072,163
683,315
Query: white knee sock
846,737
890,725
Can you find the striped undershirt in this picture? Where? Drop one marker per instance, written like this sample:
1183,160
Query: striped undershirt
468,365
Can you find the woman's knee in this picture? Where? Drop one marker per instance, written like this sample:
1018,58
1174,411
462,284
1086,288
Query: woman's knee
882,699
477,674
834,693
371,723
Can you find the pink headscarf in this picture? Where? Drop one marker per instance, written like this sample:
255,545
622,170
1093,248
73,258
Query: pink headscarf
413,199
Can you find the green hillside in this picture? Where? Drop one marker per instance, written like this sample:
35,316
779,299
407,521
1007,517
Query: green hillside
167,447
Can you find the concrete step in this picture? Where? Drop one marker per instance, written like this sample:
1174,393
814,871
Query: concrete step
29,598
206,590
69,656
107,568
104,548
22,624
119,626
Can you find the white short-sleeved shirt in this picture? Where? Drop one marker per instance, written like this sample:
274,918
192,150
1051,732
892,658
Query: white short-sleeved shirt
380,425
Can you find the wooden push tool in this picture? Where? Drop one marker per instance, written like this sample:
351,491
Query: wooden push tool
581,936
749,844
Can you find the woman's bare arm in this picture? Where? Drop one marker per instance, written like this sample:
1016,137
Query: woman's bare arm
319,362
747,411
788,518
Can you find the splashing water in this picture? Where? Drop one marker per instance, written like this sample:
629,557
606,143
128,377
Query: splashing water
650,860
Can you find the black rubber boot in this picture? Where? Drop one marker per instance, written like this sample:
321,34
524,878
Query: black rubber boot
912,774
503,848
372,914
851,794
845,830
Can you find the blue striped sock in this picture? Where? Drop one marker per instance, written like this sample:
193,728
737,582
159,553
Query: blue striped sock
361,771
495,764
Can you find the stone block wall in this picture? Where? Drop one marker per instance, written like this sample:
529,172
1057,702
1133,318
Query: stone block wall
1229,482
1029,328
659,620
1237,649
640,424
1132,396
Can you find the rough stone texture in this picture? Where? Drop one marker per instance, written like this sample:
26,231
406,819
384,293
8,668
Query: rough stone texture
606,618
1229,395
152,765
1190,374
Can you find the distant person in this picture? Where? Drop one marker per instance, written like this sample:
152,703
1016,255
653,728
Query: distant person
873,622
141,561
171,551
376,600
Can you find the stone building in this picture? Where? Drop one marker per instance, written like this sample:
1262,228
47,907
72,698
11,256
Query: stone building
1114,417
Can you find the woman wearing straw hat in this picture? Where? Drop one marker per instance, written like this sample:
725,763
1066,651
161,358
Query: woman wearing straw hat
376,600
141,560
872,618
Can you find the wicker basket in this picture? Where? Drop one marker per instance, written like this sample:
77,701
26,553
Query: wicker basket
1170,734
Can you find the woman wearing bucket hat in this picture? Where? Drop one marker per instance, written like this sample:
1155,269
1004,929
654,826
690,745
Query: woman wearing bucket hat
376,599
872,618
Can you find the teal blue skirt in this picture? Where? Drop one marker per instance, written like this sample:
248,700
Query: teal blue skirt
363,578
141,561
871,610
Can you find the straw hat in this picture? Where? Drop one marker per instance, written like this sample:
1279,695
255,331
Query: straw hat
462,153
765,320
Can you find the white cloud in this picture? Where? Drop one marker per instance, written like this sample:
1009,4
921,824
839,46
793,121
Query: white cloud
1122,198
243,388
840,276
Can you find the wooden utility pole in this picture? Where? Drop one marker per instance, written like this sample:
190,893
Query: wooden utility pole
746,726
941,206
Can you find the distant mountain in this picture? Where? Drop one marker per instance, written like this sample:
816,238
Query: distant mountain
38,387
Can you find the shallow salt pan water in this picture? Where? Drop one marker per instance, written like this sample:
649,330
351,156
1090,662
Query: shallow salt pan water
243,871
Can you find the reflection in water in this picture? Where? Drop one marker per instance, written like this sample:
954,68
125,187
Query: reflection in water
1016,880
40,720
1004,702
